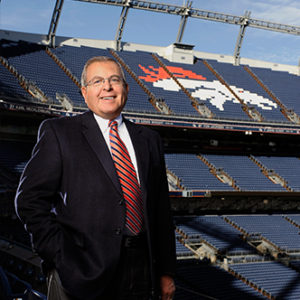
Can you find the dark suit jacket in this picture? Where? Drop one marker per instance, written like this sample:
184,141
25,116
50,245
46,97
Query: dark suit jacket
70,201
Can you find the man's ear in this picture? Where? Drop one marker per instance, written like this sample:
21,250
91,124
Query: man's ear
83,92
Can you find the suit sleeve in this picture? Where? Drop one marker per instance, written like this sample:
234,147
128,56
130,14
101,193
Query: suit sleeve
37,192
166,256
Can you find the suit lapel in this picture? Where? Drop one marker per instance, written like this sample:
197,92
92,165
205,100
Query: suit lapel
97,142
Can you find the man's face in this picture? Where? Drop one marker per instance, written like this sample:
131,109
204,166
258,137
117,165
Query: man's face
108,99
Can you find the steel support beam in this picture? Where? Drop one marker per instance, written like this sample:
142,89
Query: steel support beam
54,22
183,22
240,38
201,14
186,11
122,21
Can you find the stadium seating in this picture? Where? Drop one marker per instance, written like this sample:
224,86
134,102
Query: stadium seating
271,278
283,84
248,90
12,230
287,167
192,172
208,90
11,288
236,165
74,59
195,175
142,62
274,229
238,239
36,65
14,155
11,88
216,232
225,256
198,280
33,62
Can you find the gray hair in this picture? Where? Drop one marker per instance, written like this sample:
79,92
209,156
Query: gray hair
99,59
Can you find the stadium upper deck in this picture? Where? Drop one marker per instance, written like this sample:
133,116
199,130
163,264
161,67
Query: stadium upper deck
212,92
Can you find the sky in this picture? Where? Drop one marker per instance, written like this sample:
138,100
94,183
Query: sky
97,21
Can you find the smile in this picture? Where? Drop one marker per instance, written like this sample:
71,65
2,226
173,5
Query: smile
107,98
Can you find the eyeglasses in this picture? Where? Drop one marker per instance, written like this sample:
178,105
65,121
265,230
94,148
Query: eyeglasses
99,81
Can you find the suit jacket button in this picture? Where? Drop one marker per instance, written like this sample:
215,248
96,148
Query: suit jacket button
121,201
118,231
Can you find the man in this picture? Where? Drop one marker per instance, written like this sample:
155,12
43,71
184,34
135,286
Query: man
98,240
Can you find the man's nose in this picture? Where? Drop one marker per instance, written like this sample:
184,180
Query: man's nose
106,84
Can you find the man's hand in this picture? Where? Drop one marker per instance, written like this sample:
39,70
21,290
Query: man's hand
167,287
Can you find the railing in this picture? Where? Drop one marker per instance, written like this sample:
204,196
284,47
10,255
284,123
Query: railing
220,174
194,101
27,85
63,67
271,174
251,112
287,113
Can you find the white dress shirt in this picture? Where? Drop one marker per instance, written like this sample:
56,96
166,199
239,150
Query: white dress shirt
124,135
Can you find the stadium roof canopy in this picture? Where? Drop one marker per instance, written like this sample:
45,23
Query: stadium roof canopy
184,11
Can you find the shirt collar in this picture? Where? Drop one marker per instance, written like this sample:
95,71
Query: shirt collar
103,123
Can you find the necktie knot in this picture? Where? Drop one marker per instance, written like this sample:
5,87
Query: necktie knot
112,124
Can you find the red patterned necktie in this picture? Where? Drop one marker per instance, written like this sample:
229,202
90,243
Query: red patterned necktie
128,180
